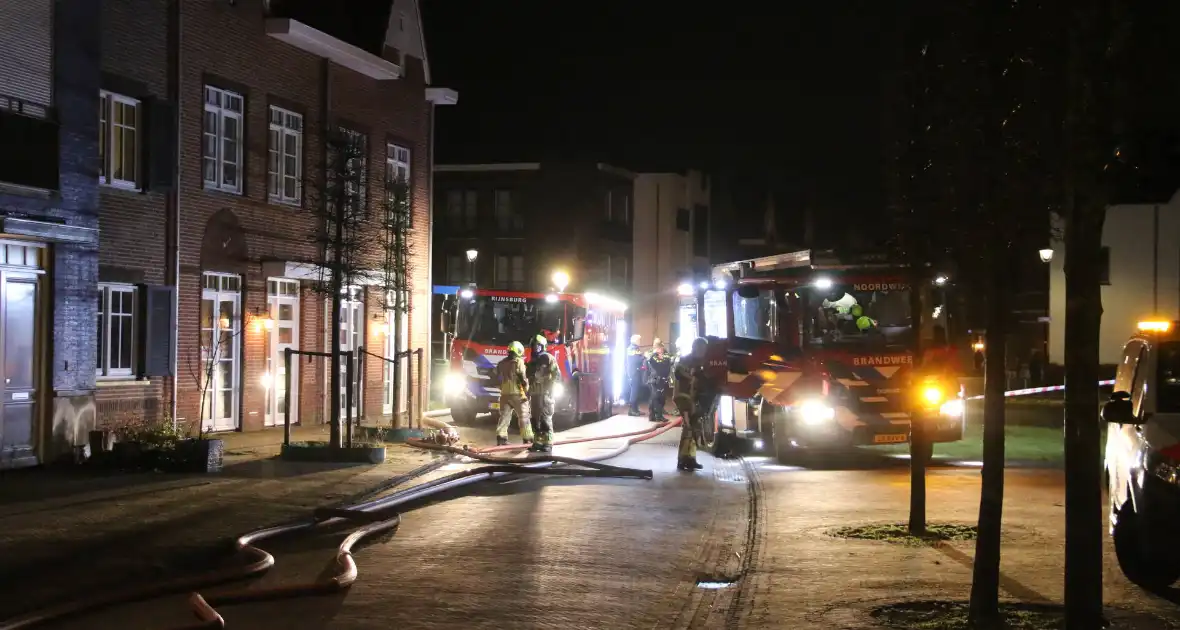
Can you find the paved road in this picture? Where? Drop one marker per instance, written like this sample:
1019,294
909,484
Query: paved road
547,553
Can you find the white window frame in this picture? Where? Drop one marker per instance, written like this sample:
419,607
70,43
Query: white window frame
280,291
361,196
276,156
228,287
106,130
353,328
397,170
103,369
224,110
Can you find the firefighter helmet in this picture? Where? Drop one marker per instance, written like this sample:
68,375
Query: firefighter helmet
516,348
540,340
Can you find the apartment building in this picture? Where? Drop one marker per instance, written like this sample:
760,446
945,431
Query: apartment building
525,220
671,246
180,221
49,92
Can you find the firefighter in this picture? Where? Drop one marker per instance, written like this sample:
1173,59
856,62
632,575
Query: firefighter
634,366
514,392
659,371
542,374
694,394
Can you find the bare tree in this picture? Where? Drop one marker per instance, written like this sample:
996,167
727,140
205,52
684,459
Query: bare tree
203,365
396,223
344,239
1098,35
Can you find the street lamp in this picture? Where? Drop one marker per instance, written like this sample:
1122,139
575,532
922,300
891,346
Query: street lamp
1046,254
472,254
561,280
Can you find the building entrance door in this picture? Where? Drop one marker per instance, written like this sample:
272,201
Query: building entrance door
19,340
282,332
352,335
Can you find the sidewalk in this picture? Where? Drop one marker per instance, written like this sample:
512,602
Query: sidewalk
66,532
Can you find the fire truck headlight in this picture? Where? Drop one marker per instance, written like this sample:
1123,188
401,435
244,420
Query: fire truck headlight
932,395
558,390
952,408
454,384
815,412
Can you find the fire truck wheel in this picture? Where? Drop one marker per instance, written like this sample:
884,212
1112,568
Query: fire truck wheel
605,408
784,452
463,416
1153,571
708,435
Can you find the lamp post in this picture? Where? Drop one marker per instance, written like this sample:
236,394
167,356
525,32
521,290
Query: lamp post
1046,255
561,280
472,254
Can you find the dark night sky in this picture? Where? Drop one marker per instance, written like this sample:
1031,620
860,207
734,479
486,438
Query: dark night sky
771,94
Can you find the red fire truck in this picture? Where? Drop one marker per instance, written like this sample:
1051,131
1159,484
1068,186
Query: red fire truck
586,333
819,352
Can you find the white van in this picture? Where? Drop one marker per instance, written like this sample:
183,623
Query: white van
1143,455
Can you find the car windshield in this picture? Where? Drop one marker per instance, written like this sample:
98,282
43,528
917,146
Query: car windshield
1167,397
499,320
863,314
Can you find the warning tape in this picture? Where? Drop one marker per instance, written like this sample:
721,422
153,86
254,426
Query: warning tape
1036,390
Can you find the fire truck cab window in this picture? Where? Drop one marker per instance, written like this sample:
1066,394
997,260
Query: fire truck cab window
575,323
755,317
500,320
714,313
849,315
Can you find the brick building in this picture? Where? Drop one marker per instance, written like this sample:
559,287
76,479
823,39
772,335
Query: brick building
210,147
527,219
49,87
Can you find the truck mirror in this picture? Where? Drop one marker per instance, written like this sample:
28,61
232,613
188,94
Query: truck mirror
1117,410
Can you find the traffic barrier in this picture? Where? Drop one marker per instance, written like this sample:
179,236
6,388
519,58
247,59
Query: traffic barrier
1036,390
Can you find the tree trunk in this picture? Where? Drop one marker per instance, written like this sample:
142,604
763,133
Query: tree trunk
395,382
1083,456
985,577
1086,135
918,433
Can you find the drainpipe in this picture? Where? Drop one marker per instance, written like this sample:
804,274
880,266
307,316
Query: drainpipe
174,198
424,392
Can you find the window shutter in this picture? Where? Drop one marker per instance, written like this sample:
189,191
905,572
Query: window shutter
158,143
158,323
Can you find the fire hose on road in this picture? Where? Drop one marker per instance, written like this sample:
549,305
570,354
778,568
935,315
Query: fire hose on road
260,561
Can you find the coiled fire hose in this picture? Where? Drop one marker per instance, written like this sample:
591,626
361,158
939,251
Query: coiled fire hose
257,560
262,561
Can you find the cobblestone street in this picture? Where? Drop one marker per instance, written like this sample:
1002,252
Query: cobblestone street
742,543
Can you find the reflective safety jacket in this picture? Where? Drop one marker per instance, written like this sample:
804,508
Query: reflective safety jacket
511,374
542,372
690,379
659,366
635,360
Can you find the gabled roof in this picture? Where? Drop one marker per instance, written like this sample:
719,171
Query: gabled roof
368,25
404,32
